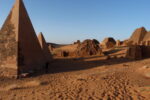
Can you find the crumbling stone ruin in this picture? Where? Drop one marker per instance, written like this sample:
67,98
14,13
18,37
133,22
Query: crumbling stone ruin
140,37
108,43
137,52
88,47
134,52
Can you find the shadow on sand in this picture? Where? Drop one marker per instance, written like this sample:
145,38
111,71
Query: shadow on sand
76,64
68,65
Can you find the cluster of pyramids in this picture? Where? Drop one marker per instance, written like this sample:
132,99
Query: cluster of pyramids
139,44
20,49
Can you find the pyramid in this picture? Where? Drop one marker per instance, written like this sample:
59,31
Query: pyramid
20,49
138,35
44,47
108,43
118,43
88,47
147,37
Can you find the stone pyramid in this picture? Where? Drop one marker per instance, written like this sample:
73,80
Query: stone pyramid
20,49
108,43
147,37
138,35
44,47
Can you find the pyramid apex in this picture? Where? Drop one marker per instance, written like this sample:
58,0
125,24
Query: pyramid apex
18,1
140,30
40,33
44,46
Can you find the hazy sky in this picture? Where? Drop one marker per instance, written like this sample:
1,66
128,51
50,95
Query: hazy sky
65,21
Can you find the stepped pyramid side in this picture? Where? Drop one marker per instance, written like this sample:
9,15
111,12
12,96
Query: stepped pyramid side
138,35
30,52
44,47
147,37
21,49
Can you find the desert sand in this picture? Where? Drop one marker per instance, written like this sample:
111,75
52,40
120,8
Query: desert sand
79,71
86,78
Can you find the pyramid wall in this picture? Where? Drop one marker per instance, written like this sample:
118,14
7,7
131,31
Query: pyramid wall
28,46
19,46
147,37
138,35
8,43
44,47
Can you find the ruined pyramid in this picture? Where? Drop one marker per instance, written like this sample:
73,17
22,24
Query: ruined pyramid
108,43
138,35
44,47
147,37
20,49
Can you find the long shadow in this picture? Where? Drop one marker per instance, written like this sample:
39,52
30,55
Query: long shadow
112,51
75,64
105,53
78,64
68,65
83,63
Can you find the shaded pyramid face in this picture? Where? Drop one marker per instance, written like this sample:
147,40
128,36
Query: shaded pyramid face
44,47
20,46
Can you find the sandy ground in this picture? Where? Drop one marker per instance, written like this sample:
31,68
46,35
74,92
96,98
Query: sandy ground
68,48
89,78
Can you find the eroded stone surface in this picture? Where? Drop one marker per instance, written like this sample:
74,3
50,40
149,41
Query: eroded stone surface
20,48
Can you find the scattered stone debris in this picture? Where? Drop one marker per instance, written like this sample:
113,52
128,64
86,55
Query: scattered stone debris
88,48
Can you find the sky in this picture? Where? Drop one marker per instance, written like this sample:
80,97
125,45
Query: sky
65,21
